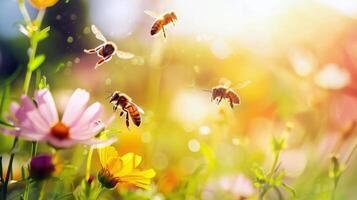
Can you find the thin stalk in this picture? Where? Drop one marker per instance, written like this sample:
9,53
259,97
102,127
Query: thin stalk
350,156
9,169
1,172
270,174
27,81
278,192
27,190
42,192
34,149
262,193
89,162
24,12
275,162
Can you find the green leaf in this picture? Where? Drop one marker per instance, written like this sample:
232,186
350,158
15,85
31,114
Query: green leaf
289,189
43,83
41,35
59,67
4,99
35,63
335,168
3,123
258,172
278,144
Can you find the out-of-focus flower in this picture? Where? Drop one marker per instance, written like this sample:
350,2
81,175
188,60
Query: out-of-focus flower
42,4
302,62
332,77
118,170
42,166
38,120
240,186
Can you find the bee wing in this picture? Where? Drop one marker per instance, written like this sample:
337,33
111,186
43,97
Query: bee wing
152,14
138,107
225,82
98,34
243,84
124,55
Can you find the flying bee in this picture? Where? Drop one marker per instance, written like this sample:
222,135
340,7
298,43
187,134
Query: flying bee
106,50
161,21
224,91
130,108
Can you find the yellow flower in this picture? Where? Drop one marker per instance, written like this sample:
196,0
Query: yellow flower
122,170
42,4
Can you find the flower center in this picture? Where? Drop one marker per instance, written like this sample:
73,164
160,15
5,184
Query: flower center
107,179
60,131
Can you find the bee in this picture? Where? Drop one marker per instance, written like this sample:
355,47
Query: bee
161,21
106,50
223,91
130,108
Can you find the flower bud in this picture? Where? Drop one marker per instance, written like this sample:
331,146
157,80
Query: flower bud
107,179
42,4
41,167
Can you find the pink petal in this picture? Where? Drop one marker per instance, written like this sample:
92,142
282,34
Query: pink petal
75,107
89,116
46,106
32,136
87,134
26,106
96,143
14,107
38,123
30,117
65,143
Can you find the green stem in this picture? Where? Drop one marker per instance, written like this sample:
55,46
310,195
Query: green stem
262,193
1,175
89,162
276,159
278,192
9,168
270,175
42,192
27,81
26,192
34,149
24,12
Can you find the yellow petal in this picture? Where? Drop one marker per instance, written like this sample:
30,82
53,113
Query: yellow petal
114,166
106,155
129,162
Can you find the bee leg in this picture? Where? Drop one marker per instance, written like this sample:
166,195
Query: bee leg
127,119
121,113
219,101
89,51
101,61
164,32
231,103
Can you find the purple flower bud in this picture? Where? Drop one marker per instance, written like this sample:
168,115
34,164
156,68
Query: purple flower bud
41,167
90,179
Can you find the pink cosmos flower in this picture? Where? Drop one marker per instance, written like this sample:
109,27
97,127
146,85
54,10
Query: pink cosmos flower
240,186
38,120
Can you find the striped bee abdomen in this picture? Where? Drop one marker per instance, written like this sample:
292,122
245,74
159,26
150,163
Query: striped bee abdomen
134,114
156,27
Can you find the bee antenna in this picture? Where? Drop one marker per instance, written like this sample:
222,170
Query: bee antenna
207,90
108,97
